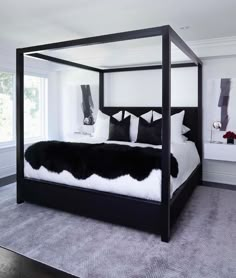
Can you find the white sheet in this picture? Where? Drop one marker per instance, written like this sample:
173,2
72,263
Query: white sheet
150,188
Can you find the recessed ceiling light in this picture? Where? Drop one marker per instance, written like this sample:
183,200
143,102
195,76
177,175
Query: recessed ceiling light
184,27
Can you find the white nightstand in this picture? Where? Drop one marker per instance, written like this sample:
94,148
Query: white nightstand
225,152
81,136
79,133
78,137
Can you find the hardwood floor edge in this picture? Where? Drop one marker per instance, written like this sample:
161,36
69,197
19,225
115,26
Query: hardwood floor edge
219,185
7,180
60,271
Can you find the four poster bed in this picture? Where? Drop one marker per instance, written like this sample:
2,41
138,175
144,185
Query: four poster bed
155,215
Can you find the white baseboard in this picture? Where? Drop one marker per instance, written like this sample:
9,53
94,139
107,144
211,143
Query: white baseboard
7,171
224,178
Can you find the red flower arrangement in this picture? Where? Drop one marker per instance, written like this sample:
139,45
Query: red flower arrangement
229,135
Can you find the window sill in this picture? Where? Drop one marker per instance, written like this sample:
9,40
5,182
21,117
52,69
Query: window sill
12,145
9,145
7,148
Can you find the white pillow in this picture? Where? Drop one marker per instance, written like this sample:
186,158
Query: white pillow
185,129
156,115
134,121
101,127
184,138
176,126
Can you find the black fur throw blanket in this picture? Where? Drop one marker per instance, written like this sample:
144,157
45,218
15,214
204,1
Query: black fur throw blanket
105,160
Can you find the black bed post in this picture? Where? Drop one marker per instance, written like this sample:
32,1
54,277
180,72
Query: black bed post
200,139
166,113
20,122
101,90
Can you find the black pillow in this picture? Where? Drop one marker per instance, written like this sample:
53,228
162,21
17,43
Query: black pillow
119,130
149,133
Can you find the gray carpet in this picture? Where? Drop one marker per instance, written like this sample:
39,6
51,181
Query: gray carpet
203,243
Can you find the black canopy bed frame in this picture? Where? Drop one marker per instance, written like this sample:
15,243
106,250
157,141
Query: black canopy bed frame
139,213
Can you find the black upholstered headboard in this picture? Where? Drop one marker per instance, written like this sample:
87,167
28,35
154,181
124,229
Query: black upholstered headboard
191,119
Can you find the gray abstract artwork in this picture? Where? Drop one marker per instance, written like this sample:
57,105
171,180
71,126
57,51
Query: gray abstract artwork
220,103
224,102
87,105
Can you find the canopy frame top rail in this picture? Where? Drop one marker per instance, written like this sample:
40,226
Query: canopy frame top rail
34,51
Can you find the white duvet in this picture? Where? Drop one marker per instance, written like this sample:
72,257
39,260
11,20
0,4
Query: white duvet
150,188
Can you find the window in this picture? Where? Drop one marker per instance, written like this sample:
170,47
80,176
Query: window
6,107
35,107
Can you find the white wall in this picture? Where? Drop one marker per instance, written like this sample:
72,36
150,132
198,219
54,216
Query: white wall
7,161
69,91
217,171
144,88
54,103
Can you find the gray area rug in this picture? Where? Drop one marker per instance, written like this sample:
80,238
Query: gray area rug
203,243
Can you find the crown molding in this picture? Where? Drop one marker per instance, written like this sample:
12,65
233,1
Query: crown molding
214,42
8,61
216,47
205,49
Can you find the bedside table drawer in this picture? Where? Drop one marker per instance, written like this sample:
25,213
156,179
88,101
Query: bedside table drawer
225,152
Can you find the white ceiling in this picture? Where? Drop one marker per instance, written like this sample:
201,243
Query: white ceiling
27,22
117,54
35,22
